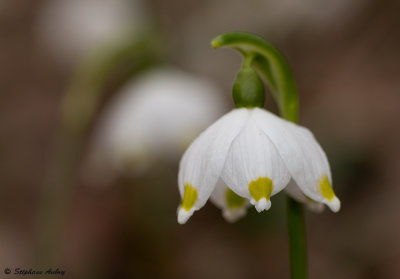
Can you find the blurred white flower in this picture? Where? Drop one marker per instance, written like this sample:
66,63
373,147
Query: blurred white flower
70,28
252,154
156,115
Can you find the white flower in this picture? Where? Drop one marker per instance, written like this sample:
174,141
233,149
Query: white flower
154,116
255,153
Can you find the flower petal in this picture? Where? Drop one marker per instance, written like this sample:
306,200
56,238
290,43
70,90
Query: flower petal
202,163
294,191
233,206
254,168
303,156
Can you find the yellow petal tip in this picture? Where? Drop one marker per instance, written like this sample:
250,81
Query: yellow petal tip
189,197
261,188
326,189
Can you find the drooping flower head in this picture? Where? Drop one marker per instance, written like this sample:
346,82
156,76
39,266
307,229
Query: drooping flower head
255,154
249,155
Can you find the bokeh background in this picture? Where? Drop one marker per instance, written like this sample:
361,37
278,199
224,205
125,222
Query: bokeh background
345,59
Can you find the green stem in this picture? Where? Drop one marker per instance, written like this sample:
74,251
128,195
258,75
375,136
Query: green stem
271,65
248,60
297,239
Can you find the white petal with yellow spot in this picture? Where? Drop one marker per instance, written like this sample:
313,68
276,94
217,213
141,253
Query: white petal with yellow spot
252,154
253,168
202,163
302,155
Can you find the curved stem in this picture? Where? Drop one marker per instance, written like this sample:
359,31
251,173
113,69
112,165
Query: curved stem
271,65
248,60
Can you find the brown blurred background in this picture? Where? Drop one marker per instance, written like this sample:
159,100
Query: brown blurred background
345,58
